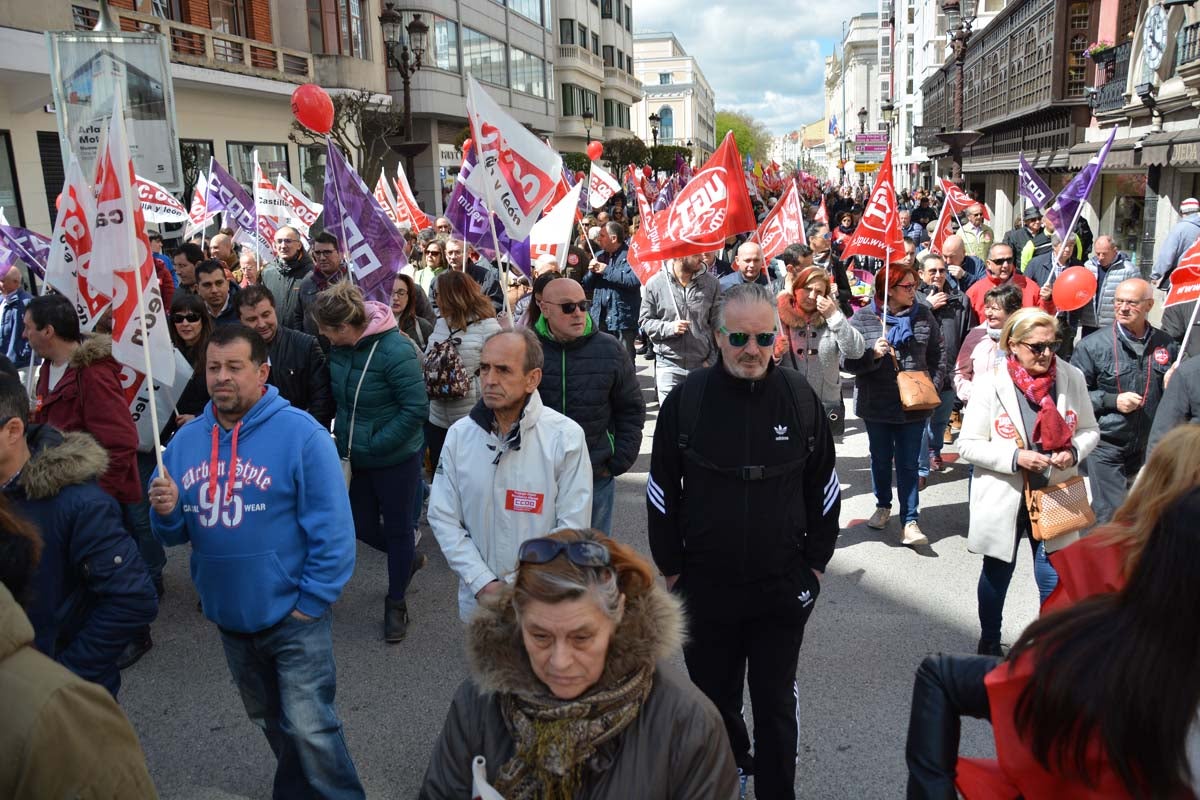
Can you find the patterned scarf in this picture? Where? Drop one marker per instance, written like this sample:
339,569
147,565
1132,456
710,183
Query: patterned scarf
557,740
1050,431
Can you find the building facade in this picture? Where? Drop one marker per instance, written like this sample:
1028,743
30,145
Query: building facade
852,86
675,88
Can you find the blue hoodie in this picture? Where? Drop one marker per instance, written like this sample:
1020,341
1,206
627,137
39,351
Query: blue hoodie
281,538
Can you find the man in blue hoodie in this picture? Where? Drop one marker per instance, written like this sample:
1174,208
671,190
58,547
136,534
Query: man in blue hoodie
254,485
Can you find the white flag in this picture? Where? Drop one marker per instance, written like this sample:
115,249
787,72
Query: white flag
383,196
159,205
198,214
71,249
519,172
552,233
267,202
601,186
304,212
407,209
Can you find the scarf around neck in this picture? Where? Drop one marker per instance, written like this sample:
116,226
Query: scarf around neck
1050,430
900,328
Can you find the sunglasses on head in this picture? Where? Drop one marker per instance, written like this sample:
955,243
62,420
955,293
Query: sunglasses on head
571,308
583,554
1041,347
188,316
738,339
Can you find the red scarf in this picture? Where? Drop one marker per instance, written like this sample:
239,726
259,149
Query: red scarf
1050,431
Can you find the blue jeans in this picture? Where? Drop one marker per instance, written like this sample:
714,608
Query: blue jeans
390,493
996,575
287,680
897,443
603,494
935,430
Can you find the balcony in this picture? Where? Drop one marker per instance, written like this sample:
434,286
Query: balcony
572,56
201,47
619,79
1111,95
1187,46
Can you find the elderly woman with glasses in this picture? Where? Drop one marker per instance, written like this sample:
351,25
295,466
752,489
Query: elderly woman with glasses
571,694
913,342
1029,421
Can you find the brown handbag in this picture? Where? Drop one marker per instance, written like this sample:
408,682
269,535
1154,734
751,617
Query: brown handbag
917,392
1058,509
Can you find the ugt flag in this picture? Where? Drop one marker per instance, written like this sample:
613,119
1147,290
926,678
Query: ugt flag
878,232
1185,278
784,225
1030,185
1065,209
552,233
601,186
373,247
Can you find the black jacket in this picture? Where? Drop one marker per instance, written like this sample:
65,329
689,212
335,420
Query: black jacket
489,283
591,380
954,318
92,591
300,372
1175,321
730,531
1141,370
875,378
1180,402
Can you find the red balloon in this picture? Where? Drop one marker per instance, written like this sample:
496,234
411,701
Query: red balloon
595,150
58,202
579,174
467,145
647,171
312,108
1074,288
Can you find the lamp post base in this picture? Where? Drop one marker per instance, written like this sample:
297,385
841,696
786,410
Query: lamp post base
958,141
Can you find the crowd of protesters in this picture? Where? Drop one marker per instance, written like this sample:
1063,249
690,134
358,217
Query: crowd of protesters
509,404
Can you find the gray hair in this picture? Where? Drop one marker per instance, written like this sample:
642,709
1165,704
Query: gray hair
535,358
745,294
616,230
925,259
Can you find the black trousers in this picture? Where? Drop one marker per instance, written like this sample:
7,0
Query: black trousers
753,632
946,689
1110,471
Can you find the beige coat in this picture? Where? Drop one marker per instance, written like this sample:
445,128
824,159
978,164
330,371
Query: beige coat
989,441
61,736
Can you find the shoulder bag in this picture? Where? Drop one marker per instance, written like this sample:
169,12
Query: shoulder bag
347,472
1058,509
917,392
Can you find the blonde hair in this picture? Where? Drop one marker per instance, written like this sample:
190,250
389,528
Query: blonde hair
340,304
1021,323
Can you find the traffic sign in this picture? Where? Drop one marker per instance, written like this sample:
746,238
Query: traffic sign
870,138
865,167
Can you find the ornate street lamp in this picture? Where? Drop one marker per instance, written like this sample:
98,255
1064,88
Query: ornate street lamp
404,55
655,120
588,117
862,120
959,16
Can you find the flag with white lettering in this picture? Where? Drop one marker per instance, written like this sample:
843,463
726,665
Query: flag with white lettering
943,230
601,186
383,196
552,233
30,247
71,249
784,225
198,214
1065,209
303,212
468,215
267,202
407,209
517,170
159,205
137,395
878,232
229,197
373,248
1030,185
1185,278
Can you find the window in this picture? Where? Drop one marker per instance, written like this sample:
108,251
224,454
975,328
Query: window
616,115
666,125
629,65
1079,18
566,31
312,174
166,9
240,160
576,100
484,57
583,39
606,9
596,43
194,156
608,55
664,79
442,49
335,27
228,16
528,73
628,20
10,193
621,60
530,9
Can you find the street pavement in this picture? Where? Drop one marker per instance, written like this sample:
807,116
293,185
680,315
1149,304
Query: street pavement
882,608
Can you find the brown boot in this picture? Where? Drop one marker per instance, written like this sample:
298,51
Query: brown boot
395,620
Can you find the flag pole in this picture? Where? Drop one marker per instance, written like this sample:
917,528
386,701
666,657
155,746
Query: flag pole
1188,333
337,190
257,228
503,264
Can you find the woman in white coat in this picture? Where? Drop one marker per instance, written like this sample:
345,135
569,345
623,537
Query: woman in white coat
1029,417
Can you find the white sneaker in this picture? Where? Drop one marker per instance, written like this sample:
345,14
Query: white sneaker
913,537
879,519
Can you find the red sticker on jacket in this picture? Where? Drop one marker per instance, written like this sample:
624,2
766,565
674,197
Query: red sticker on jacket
1161,356
1072,420
1004,427
524,502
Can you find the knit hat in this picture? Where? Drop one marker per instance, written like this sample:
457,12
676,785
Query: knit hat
1189,206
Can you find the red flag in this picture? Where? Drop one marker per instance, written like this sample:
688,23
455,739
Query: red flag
1185,278
942,231
822,212
639,189
960,201
407,209
878,232
783,226
711,207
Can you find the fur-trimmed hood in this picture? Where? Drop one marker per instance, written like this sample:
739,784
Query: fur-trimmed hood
651,629
58,460
95,348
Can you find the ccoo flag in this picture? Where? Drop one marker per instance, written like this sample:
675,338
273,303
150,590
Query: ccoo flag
1030,185
1065,209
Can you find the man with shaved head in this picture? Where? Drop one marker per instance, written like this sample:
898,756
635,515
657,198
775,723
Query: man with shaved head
285,274
1124,365
748,266
1111,268
221,247
12,321
964,269
976,236
589,376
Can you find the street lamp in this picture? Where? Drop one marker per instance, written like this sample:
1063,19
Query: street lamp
404,55
655,120
862,120
959,16
588,117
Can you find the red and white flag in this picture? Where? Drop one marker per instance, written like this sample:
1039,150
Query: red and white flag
784,225
304,212
71,249
601,186
267,202
407,209
159,205
943,230
959,201
198,214
878,232
121,259
1185,278
822,214
552,233
517,171
383,196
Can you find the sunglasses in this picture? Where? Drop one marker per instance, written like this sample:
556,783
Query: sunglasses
583,554
738,339
571,308
1008,260
1040,348
188,317
433,252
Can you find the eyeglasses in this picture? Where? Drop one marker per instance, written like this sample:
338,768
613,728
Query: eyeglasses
583,554
906,286
933,271
738,339
286,241
571,308
185,317
1040,348
400,293
1120,303
433,252
1006,260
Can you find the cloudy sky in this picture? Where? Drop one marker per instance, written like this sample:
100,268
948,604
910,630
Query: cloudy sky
766,59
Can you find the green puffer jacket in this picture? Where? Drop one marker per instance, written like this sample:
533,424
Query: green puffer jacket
392,405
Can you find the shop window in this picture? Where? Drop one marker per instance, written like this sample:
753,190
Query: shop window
1127,193
10,193
240,161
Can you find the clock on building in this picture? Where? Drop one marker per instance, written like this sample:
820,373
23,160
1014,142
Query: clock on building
1154,36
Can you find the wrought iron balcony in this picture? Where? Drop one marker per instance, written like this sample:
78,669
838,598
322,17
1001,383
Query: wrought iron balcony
1111,95
1187,45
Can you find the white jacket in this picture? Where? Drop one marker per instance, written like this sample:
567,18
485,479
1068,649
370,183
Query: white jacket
989,441
490,495
444,412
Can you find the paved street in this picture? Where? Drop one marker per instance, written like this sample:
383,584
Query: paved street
882,608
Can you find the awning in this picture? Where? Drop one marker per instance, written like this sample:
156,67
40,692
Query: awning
1123,154
1172,147
1041,161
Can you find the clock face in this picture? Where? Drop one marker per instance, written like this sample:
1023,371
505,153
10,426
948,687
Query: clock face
1154,36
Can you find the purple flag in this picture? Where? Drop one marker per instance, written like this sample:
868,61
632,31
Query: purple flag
30,247
468,216
373,247
1030,184
1066,206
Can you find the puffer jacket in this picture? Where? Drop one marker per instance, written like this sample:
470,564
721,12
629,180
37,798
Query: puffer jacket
875,378
12,323
665,302
89,398
816,351
283,278
591,380
392,405
1142,367
1100,312
616,293
675,749
444,412
474,507
299,371
93,591
1181,236
62,736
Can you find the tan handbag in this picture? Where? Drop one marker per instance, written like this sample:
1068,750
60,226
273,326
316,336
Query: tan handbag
917,392
1059,509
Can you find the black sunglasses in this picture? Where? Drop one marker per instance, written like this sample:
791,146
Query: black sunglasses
1007,260
738,339
1041,347
571,308
583,554
188,317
